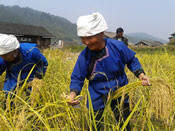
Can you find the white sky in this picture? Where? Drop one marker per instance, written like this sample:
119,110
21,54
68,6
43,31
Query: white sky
155,17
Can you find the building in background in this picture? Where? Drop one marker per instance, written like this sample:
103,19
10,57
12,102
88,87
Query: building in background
148,43
57,44
172,38
28,33
109,34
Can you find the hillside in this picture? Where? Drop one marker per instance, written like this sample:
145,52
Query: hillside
58,26
136,37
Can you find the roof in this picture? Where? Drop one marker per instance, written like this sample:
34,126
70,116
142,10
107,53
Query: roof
20,29
109,34
150,43
173,34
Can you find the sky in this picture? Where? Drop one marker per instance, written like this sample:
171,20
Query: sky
154,17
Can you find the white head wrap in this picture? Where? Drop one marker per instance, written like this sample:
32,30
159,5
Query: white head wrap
8,43
90,25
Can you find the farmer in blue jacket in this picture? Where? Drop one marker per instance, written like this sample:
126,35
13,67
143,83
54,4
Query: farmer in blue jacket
102,62
17,61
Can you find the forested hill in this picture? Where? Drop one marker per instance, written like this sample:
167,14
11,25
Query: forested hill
58,26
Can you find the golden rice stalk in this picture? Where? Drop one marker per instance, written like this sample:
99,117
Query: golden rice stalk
161,100
36,89
126,89
131,114
47,126
25,82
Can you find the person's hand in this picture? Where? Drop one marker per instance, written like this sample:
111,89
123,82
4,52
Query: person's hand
145,79
72,100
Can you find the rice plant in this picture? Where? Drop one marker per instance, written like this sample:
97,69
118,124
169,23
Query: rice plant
152,107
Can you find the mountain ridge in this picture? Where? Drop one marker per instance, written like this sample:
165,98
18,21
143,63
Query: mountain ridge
60,27
139,36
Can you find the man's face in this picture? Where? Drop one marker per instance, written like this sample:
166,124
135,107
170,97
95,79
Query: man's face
93,42
119,34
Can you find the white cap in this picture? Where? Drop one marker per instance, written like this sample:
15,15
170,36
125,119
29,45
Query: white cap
90,25
8,43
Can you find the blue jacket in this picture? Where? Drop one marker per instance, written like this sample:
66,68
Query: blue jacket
29,55
106,72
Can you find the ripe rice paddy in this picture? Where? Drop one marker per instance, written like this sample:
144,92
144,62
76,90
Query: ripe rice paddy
152,107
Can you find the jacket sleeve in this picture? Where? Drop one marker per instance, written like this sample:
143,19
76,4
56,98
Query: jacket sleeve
2,66
135,66
40,61
128,57
78,75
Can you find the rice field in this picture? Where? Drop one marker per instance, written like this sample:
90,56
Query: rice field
152,107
